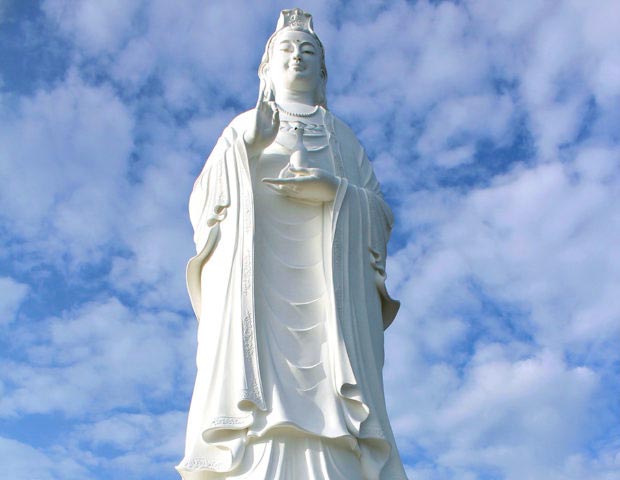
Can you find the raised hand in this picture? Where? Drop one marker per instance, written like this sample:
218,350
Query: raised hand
307,184
264,128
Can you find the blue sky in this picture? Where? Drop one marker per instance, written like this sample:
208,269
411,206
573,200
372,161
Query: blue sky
494,127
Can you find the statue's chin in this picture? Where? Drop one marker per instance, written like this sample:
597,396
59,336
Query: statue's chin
300,82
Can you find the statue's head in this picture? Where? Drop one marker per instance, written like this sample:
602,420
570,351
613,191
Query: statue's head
294,58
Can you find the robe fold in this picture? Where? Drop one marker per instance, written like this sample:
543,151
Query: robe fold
228,393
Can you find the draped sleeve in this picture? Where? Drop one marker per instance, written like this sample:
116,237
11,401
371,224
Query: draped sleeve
210,196
210,201
361,227
379,229
360,184
228,388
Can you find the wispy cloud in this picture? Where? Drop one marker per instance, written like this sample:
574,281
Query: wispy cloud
13,294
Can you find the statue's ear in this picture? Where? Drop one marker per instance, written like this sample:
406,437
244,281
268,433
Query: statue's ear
265,82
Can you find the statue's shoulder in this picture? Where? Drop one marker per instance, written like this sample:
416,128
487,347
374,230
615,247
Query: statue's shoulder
236,127
343,131
338,122
241,121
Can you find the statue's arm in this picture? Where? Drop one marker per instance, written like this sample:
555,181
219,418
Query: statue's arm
210,197
365,175
211,201
381,216
380,220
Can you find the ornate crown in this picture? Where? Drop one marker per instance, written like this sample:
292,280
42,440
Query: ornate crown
295,19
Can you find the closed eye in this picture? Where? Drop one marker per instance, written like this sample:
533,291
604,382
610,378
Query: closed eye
285,46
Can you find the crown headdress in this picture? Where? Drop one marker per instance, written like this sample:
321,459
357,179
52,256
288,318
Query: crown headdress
296,19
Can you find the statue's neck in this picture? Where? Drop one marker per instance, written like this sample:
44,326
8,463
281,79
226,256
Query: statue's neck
299,101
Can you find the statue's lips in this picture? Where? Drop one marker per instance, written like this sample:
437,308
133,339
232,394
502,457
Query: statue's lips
298,67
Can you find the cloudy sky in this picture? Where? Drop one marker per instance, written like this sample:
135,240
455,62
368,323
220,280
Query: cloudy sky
494,127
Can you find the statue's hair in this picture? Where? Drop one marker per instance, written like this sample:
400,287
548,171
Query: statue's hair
267,85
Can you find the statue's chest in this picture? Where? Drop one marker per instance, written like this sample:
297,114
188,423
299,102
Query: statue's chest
277,155
314,135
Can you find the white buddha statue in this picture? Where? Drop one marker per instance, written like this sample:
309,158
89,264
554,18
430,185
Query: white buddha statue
289,287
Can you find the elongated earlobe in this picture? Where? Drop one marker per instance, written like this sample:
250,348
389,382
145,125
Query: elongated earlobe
266,84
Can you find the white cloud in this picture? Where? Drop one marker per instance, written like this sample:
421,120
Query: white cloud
540,239
158,232
97,27
538,245
562,62
454,126
160,433
12,294
97,358
521,417
23,461
604,466
66,151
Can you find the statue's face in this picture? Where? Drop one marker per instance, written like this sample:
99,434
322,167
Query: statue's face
295,62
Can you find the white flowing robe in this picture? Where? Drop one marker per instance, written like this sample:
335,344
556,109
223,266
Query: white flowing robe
228,395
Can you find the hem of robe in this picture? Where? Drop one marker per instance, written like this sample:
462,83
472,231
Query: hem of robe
287,454
372,454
